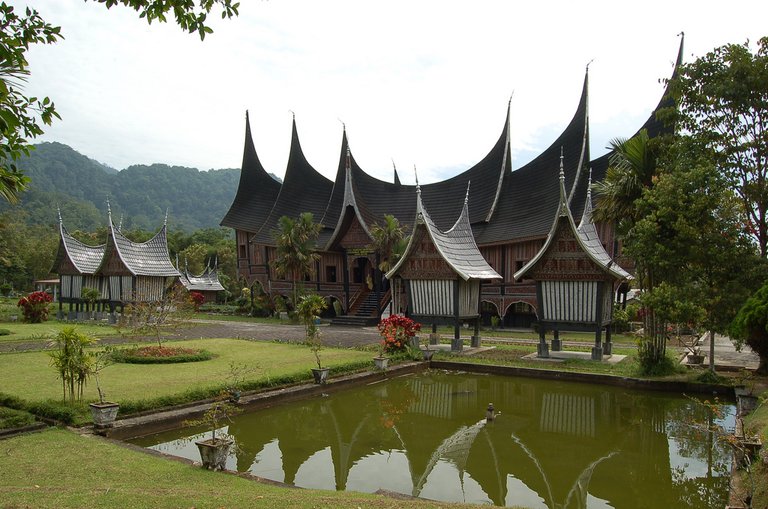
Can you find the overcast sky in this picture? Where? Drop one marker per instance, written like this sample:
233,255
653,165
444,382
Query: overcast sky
423,83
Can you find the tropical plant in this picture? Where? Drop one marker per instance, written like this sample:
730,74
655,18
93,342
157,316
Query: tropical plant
389,241
396,332
155,316
750,326
309,309
72,362
295,243
90,295
35,306
721,105
98,362
220,412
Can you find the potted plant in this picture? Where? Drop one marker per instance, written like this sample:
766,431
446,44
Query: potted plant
746,400
215,450
381,360
397,333
103,413
309,309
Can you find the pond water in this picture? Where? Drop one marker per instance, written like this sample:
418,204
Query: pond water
552,445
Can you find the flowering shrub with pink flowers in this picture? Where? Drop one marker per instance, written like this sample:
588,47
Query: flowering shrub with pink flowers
35,306
396,332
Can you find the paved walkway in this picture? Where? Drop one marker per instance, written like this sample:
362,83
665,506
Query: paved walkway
726,356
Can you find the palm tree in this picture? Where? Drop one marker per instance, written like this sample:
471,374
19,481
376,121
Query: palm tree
295,242
631,169
389,241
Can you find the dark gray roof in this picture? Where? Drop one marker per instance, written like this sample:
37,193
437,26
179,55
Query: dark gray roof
86,259
256,192
304,189
585,234
148,258
456,246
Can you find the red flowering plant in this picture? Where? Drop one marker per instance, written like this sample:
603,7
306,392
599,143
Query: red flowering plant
396,333
197,299
35,306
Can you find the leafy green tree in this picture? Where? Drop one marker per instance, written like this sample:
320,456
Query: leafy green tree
389,241
19,113
690,237
722,101
295,242
751,326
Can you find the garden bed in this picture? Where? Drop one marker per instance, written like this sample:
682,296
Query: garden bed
160,355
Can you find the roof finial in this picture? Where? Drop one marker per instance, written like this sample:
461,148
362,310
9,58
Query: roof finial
466,196
343,125
509,104
165,222
589,185
418,188
562,171
294,114
587,70
109,212
397,177
58,210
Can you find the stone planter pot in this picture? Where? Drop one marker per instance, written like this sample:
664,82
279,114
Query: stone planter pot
695,358
745,404
427,354
414,341
214,452
321,375
104,414
381,363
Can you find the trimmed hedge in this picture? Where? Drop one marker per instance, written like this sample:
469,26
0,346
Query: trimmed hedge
132,356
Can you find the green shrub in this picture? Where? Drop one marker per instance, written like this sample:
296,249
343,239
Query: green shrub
5,332
11,418
650,365
59,411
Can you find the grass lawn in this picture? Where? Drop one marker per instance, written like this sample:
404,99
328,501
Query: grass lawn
46,331
29,375
61,469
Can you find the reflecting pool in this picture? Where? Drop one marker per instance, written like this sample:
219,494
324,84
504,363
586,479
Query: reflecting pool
552,445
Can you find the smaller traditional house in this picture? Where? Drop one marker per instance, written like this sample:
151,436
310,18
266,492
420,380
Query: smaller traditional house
575,278
121,271
442,273
207,283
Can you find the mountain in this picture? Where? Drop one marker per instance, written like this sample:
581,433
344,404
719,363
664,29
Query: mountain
139,194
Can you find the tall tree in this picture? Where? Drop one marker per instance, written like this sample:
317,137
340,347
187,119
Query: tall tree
295,242
389,241
19,113
722,105
690,238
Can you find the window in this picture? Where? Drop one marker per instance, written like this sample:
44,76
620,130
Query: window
242,251
330,273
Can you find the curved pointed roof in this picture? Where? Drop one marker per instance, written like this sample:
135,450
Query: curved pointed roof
456,246
256,192
529,195
585,234
304,189
148,258
207,281
84,258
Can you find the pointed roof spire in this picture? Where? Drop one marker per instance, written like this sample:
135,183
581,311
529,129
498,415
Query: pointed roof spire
563,197
58,211
165,221
109,213
466,196
397,177
679,61
415,173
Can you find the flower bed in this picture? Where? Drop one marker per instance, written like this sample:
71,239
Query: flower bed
160,355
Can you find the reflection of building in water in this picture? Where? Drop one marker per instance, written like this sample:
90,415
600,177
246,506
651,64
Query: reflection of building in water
569,414
561,444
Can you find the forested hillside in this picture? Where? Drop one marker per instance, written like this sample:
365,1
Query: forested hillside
140,194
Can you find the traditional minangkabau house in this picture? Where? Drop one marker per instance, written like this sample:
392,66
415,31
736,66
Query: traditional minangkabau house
121,270
510,216
206,283
442,273
575,279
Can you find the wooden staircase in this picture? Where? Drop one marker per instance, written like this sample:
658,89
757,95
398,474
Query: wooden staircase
363,311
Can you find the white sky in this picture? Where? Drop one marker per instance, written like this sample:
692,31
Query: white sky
423,83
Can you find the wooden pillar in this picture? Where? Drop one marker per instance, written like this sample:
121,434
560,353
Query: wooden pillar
377,285
476,337
456,345
542,349
345,270
608,346
597,350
